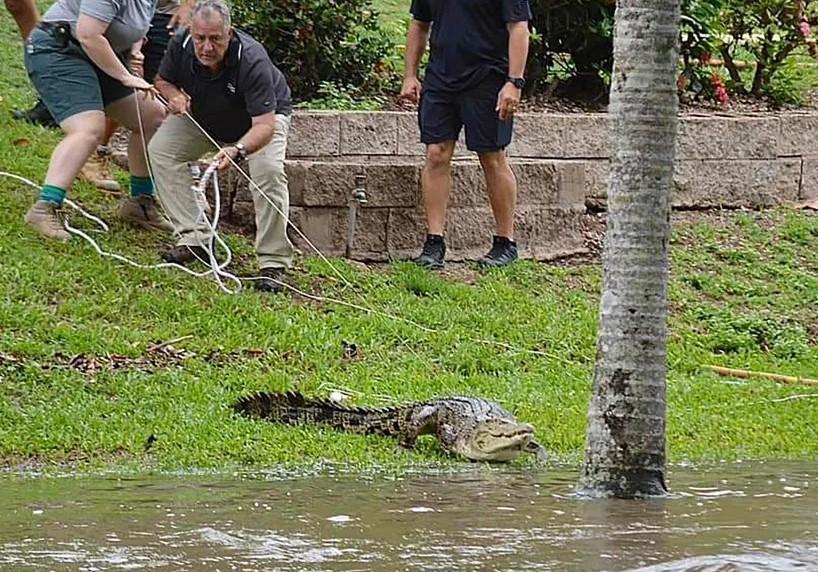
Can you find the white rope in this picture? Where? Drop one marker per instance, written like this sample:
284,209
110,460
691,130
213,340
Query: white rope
258,189
217,269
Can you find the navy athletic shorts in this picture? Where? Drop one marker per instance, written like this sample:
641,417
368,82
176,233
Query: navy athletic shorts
443,113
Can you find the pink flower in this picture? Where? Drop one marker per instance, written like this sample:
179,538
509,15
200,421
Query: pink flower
804,28
721,95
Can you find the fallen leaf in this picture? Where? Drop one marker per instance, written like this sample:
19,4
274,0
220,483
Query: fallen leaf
22,142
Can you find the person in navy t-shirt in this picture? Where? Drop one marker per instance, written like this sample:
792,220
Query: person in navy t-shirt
474,79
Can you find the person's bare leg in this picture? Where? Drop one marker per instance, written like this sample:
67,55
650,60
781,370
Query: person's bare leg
436,183
502,188
25,15
82,134
139,209
123,112
110,128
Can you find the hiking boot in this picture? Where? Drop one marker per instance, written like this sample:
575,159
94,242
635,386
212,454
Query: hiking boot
434,251
45,217
503,252
97,171
184,254
272,280
39,115
141,212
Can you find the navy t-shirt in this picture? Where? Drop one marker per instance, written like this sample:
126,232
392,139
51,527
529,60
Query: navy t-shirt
225,103
469,39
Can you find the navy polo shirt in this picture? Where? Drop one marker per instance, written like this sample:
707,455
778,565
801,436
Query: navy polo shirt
249,85
469,39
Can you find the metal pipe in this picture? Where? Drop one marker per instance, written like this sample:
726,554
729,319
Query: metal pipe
356,198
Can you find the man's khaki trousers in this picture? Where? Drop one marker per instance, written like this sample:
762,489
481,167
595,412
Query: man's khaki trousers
178,142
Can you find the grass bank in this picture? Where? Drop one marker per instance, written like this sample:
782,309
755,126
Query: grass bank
85,379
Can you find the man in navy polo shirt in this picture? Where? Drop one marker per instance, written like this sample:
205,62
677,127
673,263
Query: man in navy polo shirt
225,80
474,79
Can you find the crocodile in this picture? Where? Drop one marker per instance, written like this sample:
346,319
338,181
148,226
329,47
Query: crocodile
474,428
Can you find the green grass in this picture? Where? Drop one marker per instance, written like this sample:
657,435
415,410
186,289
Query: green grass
744,294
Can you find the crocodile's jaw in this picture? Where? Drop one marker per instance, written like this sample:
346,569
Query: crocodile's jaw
501,443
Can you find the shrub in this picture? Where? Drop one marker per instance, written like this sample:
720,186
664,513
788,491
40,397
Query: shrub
319,42
573,42
768,31
583,29
698,39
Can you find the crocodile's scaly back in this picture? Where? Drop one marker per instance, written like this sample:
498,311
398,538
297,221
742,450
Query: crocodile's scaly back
292,408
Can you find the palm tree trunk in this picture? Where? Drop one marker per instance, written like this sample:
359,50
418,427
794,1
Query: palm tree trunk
625,442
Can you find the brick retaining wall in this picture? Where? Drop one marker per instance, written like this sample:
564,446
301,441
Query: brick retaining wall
561,163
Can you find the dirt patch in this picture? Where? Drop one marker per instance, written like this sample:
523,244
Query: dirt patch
156,356
69,461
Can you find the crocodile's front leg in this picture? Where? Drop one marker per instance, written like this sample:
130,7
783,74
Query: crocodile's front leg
418,421
447,437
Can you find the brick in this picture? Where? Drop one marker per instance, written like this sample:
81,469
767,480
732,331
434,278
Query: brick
727,138
327,230
327,183
560,136
809,179
550,183
799,133
369,133
406,231
729,183
314,134
736,183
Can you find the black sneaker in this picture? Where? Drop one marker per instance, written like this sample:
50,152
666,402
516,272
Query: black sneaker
434,251
273,279
183,254
38,115
503,252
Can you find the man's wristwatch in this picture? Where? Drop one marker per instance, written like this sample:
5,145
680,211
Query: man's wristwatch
242,150
518,82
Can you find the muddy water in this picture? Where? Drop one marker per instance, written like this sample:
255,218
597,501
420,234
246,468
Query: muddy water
726,518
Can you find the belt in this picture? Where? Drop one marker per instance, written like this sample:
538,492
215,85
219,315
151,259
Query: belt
60,30
51,26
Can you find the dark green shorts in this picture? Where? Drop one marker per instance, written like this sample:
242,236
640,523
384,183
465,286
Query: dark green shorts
66,79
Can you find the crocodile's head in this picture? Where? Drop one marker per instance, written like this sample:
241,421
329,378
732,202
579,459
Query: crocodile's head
495,439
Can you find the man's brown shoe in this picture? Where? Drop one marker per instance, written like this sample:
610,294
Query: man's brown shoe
44,216
141,212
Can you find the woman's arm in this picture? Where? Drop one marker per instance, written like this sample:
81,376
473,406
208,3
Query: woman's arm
90,33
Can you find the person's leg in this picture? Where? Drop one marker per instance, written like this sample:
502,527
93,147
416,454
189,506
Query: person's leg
139,209
273,247
439,129
177,142
436,184
142,125
502,189
26,16
488,136
68,85
82,133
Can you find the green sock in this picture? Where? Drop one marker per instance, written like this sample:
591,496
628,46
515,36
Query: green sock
52,194
141,186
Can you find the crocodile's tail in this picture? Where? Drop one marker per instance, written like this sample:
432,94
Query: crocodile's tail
293,408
